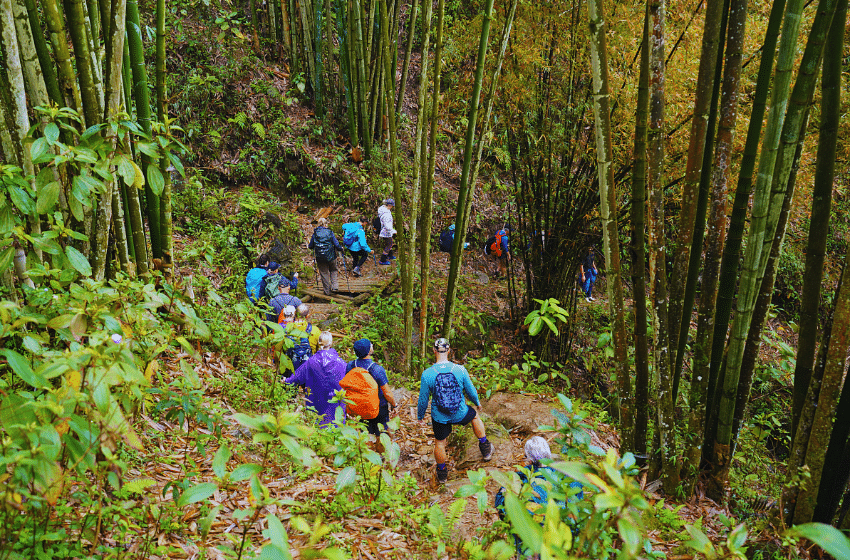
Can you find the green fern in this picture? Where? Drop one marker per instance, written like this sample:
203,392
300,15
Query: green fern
259,130
240,119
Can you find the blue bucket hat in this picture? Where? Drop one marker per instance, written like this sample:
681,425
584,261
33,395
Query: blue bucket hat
362,347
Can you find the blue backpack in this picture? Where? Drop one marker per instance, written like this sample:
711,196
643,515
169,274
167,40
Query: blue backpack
350,236
255,286
448,395
302,351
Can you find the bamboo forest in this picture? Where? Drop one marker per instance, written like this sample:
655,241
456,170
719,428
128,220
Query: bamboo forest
441,279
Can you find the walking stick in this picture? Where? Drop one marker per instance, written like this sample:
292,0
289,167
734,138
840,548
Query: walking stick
345,266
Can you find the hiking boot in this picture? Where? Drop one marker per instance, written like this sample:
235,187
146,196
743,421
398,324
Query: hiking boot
356,271
384,262
442,476
587,299
486,449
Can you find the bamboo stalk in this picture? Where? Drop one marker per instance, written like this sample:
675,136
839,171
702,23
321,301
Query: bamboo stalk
59,41
77,29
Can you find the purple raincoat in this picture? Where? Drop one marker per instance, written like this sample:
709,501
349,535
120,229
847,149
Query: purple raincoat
320,376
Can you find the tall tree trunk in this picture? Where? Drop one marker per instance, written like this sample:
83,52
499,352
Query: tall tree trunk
411,27
665,422
165,228
360,62
680,310
36,87
143,114
463,194
638,214
428,190
608,213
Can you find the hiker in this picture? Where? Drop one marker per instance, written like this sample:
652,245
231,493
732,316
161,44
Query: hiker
281,300
325,245
447,382
497,247
302,322
385,214
254,288
363,349
304,337
588,274
536,452
447,240
354,237
320,376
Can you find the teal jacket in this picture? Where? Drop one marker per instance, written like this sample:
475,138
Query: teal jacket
426,391
354,229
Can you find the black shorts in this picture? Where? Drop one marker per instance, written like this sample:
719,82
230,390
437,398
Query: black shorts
442,431
383,417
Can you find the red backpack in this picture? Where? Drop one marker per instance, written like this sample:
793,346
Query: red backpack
496,245
362,390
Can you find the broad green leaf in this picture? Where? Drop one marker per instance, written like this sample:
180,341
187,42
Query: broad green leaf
737,537
47,197
276,532
60,321
522,524
51,132
197,493
78,261
155,179
46,244
630,534
551,325
40,148
21,199
244,472
148,148
139,182
274,552
219,463
827,537
346,477
700,542
23,369
536,326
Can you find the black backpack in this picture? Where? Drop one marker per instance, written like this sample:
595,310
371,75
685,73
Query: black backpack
302,351
376,224
448,395
323,245
447,240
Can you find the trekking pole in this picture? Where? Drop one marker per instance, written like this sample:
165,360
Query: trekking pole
345,266
316,270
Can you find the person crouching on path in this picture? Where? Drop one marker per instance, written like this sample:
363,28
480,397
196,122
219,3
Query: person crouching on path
385,214
320,377
325,246
588,274
354,237
447,383
281,300
363,349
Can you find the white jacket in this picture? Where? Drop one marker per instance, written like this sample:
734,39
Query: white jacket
386,216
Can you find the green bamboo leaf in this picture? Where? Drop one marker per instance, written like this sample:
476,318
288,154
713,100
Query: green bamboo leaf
47,197
197,493
78,261
6,258
155,180
23,369
827,537
346,477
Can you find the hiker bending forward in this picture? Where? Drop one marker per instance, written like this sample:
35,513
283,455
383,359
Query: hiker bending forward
363,349
325,246
446,383
320,376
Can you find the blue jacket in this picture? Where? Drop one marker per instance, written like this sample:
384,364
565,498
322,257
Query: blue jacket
426,390
254,283
359,243
504,235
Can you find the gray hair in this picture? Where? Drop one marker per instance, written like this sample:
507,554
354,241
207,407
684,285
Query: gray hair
323,222
289,311
326,340
303,310
536,449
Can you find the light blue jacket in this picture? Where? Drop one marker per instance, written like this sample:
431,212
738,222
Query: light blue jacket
426,391
359,243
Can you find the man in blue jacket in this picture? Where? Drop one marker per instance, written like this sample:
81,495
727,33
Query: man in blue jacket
447,383
354,237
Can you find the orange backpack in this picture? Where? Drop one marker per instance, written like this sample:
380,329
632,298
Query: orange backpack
496,245
362,389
